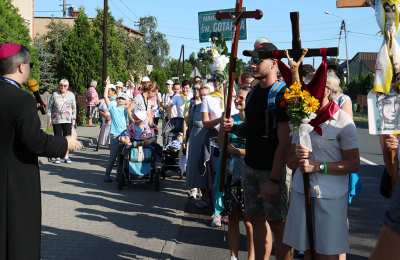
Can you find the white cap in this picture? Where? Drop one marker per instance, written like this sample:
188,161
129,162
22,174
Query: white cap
169,82
112,86
145,79
141,114
119,84
260,41
123,95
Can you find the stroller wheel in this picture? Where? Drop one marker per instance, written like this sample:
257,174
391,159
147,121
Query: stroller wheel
163,173
156,180
121,172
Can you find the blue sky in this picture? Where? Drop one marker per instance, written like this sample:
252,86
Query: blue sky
179,21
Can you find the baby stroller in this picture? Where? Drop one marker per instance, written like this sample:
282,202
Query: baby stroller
172,145
137,162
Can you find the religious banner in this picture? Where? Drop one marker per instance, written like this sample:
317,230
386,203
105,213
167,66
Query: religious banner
383,113
383,101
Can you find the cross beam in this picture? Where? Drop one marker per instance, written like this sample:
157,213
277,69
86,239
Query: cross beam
297,50
352,3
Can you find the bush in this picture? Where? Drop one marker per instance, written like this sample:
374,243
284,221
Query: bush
361,86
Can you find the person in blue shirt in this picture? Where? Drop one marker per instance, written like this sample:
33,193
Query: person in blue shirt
119,122
237,151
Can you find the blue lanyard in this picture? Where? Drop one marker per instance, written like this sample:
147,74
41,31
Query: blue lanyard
11,81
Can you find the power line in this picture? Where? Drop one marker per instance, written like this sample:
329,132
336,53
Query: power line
365,34
129,9
123,13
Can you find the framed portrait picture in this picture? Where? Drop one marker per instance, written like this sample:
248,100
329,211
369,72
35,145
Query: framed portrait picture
383,113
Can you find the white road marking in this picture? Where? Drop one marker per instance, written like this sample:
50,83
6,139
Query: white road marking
367,161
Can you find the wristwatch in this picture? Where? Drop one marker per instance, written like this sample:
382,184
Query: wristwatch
322,167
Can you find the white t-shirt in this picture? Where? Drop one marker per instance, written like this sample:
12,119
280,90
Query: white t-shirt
140,103
342,99
212,106
338,134
178,106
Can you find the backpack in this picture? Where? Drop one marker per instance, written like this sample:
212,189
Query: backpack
272,99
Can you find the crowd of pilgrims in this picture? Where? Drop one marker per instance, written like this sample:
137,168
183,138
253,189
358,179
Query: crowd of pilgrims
259,164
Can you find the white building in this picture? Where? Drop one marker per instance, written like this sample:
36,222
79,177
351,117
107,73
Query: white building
26,10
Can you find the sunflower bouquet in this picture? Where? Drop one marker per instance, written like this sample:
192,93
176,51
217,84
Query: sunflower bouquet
301,105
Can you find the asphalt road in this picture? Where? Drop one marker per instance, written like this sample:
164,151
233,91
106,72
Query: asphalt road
197,240
85,218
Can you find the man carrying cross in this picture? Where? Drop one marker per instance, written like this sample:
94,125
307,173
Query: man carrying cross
266,129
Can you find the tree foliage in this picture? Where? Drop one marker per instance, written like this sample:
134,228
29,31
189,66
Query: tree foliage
12,26
14,29
156,42
81,54
361,86
47,76
160,76
55,38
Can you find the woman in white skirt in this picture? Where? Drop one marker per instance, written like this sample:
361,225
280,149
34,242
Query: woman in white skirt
334,154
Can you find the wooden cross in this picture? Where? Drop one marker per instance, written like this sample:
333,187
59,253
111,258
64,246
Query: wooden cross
352,3
297,51
236,16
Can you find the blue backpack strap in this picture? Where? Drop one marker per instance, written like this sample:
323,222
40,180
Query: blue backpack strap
273,94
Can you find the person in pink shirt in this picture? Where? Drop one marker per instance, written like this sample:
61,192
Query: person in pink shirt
92,99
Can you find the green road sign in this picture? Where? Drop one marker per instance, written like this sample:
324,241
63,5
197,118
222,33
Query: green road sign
209,24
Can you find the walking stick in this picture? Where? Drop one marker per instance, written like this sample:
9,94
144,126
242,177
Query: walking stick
236,16
309,214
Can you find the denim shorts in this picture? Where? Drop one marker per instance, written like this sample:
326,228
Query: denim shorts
392,216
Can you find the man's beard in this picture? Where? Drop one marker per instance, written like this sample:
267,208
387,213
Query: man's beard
258,76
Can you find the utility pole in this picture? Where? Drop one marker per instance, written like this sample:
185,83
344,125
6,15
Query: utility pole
183,60
343,27
64,8
105,18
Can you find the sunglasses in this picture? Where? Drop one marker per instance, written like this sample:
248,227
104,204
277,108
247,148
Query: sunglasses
256,60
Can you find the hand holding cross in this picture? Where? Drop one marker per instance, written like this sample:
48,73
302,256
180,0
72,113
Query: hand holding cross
236,16
295,65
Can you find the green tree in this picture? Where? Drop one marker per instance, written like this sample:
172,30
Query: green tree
12,25
117,60
360,86
160,76
81,54
136,54
47,77
55,38
156,42
13,29
172,71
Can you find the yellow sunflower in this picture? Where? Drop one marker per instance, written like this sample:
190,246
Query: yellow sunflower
310,105
305,94
295,89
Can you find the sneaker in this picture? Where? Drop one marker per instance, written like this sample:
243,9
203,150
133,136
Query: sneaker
67,160
193,193
216,221
57,161
225,220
